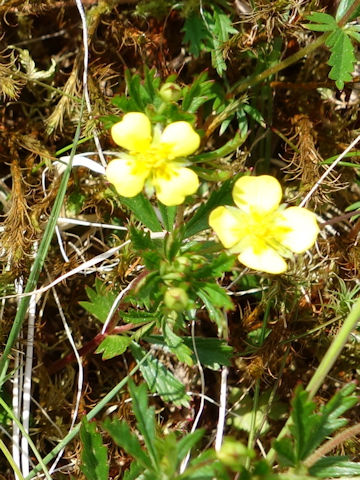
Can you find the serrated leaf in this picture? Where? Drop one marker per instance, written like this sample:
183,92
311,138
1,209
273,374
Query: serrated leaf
218,296
159,379
101,300
334,467
133,85
141,240
143,211
124,438
310,429
222,25
285,451
198,93
322,18
341,60
168,215
94,462
212,352
195,33
112,346
177,345
200,221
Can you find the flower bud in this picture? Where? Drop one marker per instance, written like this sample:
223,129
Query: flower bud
170,92
176,299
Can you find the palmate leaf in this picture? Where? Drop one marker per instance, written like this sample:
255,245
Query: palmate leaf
309,429
112,346
101,300
195,33
342,58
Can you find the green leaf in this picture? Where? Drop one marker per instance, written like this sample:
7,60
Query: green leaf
195,33
159,379
218,296
133,85
141,240
112,346
198,93
334,467
134,472
94,462
326,21
101,300
215,298
222,25
342,58
200,221
188,442
124,438
212,352
143,211
177,345
145,417
168,215
285,450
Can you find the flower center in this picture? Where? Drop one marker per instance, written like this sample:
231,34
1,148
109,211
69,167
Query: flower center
260,230
157,160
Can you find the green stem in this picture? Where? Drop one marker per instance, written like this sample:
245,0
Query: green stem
325,365
252,431
39,261
251,439
89,417
10,459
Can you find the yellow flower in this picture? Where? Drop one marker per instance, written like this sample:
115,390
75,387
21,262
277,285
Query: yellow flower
155,161
260,230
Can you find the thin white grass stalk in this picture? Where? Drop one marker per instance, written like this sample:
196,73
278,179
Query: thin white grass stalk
85,77
26,402
202,397
16,393
115,305
90,263
222,409
328,170
61,245
80,376
75,221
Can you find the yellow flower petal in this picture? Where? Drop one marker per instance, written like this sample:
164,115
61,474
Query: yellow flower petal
173,188
262,193
226,224
266,260
182,139
133,132
303,229
127,180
